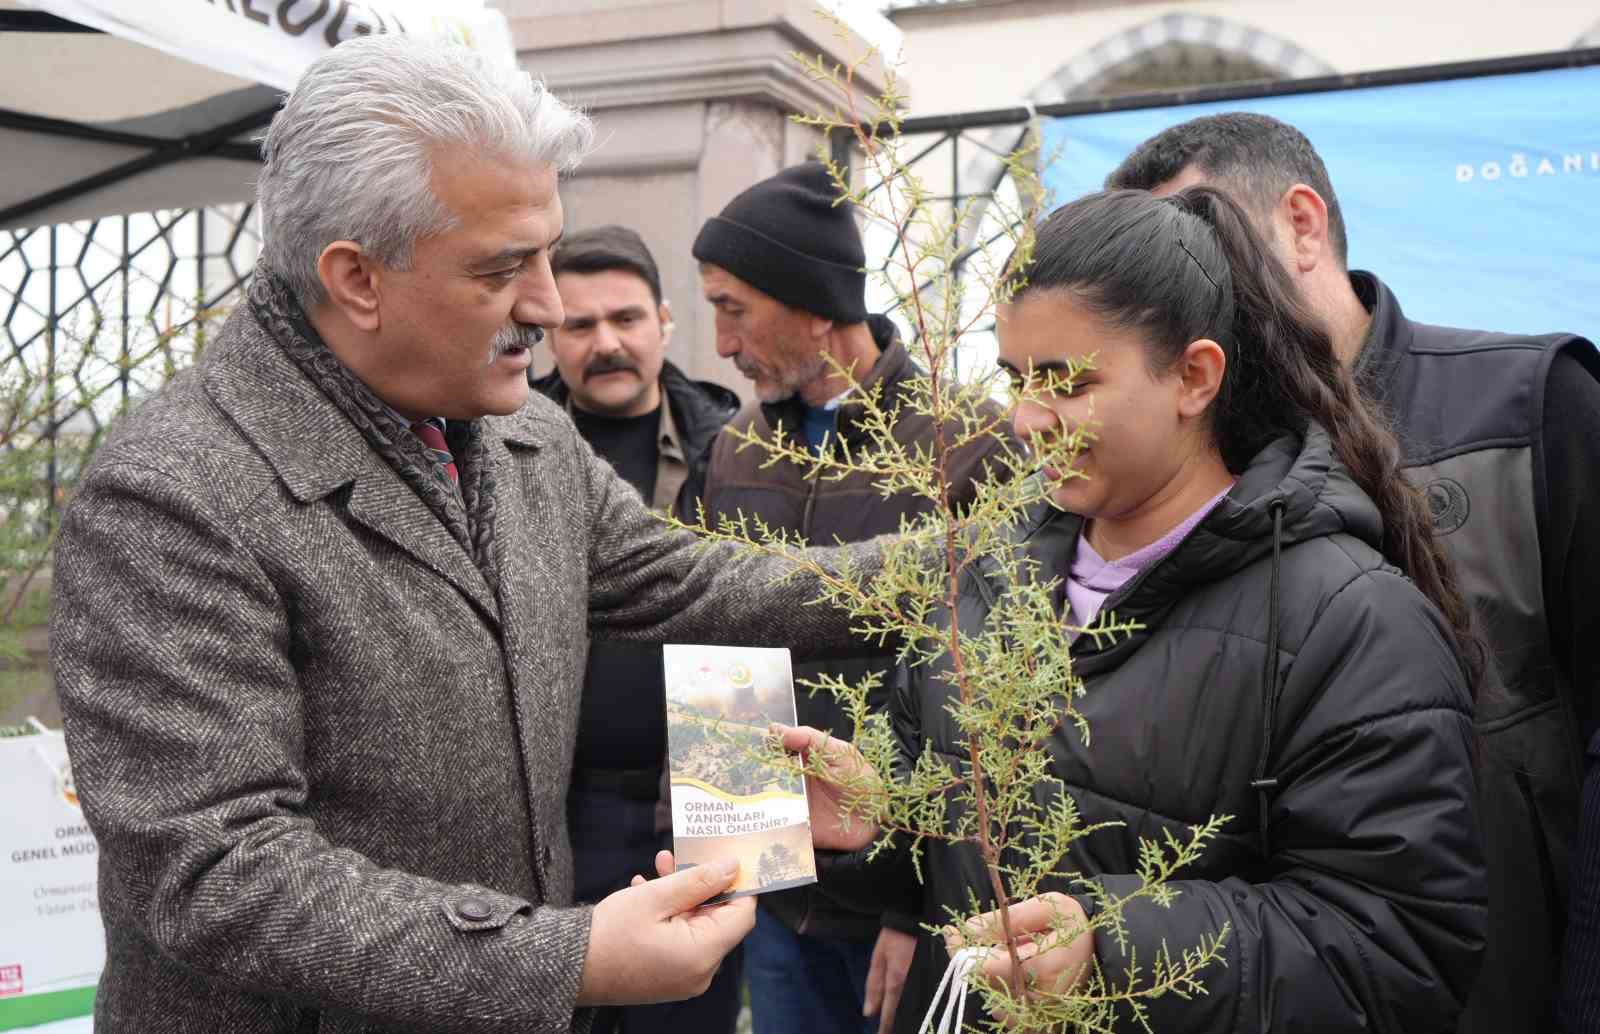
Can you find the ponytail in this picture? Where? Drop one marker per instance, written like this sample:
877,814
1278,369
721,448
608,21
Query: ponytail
1284,352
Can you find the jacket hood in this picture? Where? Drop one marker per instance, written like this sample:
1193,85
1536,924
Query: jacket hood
1302,475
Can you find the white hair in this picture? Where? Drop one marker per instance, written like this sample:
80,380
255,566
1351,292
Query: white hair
348,157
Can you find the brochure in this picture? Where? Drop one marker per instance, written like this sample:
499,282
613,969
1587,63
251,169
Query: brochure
725,801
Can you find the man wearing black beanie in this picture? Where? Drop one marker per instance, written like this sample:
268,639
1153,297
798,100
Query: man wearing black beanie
782,265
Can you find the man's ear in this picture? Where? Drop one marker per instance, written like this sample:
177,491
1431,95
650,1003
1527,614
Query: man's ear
664,314
1304,214
1201,369
350,278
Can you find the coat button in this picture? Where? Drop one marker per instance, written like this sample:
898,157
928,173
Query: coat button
473,910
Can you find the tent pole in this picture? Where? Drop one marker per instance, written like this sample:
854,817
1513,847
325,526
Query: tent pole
10,119
203,145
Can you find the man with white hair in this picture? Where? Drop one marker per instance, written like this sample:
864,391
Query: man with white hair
322,606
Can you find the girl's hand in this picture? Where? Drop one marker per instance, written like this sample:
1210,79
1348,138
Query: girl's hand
1054,944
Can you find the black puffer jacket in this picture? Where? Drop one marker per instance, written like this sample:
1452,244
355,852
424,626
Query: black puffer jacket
1365,910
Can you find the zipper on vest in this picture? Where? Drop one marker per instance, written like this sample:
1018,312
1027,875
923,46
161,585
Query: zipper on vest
811,502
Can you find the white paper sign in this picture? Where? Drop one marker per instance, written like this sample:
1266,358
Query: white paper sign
272,41
52,946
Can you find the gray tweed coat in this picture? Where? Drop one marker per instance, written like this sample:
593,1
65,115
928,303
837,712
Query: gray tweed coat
323,741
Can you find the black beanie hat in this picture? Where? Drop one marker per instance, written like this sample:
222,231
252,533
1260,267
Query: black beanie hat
786,238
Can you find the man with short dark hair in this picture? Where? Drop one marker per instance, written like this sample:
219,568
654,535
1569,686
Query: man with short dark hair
782,265
655,427
1503,432
637,410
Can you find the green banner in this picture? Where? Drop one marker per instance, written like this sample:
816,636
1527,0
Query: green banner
45,1008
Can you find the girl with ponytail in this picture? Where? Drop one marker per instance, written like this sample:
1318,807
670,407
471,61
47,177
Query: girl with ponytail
1304,661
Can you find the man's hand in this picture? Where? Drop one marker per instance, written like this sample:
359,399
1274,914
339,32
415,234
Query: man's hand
829,829
1054,944
886,977
650,944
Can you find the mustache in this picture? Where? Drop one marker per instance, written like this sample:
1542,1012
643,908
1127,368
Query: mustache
612,362
513,336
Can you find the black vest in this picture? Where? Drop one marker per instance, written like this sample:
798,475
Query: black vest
1468,408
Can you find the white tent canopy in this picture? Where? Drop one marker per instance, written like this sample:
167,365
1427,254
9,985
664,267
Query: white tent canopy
116,106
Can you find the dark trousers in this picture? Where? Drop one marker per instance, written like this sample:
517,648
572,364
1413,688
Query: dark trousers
805,985
614,838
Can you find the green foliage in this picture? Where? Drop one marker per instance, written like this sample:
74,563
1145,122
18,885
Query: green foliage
1011,684
56,399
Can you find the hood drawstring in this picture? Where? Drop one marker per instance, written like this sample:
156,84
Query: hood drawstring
1264,784
957,980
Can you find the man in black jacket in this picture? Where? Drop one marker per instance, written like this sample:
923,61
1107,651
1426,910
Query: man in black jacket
1502,431
655,426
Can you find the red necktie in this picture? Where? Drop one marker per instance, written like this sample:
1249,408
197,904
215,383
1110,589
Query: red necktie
433,438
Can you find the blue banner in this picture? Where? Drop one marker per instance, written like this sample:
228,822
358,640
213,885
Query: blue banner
1477,200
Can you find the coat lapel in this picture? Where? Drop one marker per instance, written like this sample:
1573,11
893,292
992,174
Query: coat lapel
387,506
539,596
521,532
316,450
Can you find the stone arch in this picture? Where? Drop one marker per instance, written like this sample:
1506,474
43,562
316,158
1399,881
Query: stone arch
1244,53
1085,74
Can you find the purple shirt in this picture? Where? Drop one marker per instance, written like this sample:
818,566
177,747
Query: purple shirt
1093,577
